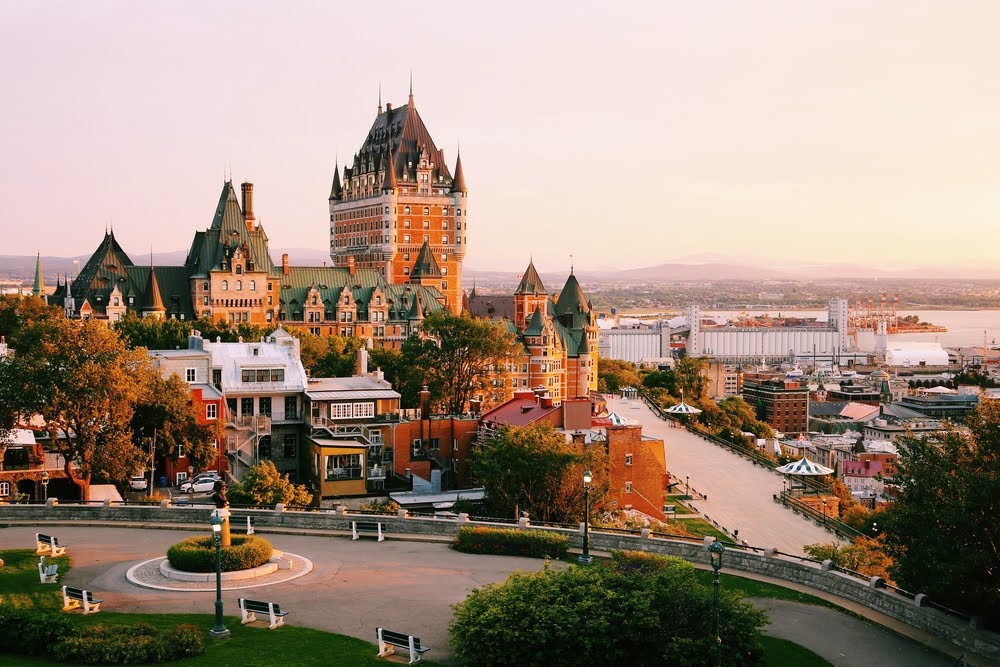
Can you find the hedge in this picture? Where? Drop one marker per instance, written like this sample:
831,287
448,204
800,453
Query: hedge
30,632
511,542
140,643
197,554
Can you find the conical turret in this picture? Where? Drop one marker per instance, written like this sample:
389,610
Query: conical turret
38,288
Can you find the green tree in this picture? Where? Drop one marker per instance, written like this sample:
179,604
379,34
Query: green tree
613,375
865,555
263,486
941,531
460,357
534,469
153,333
328,356
690,374
84,383
659,615
168,420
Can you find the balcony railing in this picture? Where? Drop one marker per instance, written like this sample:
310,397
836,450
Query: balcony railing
340,474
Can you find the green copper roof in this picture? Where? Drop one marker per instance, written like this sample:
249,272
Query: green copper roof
530,282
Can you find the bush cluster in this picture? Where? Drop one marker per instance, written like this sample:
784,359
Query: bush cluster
511,542
658,614
30,632
197,554
140,643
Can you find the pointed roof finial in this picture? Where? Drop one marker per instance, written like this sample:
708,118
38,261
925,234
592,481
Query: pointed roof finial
571,264
411,88
379,98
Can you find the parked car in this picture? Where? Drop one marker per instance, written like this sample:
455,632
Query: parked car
203,483
138,482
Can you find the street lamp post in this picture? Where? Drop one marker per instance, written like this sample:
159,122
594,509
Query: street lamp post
715,550
824,511
45,484
875,528
687,485
585,558
219,631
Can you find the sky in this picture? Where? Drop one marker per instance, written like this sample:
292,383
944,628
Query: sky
603,135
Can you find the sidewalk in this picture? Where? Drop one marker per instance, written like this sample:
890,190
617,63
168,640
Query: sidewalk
409,586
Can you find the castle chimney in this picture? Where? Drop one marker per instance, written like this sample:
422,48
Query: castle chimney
284,263
425,402
350,264
248,216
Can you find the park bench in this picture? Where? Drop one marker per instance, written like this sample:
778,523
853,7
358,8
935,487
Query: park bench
371,527
250,609
48,544
387,639
47,573
74,598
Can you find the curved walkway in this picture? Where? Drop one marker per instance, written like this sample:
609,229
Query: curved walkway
411,586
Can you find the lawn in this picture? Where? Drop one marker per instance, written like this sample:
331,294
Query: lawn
250,646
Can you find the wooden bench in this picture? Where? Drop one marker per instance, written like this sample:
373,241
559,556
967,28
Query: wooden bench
47,573
372,527
250,609
387,639
74,598
48,544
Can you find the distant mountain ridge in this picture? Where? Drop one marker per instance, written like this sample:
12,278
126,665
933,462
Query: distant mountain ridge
14,268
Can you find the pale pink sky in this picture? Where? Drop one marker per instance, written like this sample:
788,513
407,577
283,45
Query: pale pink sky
628,134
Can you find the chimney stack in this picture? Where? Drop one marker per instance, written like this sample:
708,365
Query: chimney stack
284,263
350,264
248,216
425,402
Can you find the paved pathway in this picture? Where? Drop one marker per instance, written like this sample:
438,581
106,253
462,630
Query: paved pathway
739,493
408,586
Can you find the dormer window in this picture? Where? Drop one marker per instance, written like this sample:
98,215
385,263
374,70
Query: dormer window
239,269
347,300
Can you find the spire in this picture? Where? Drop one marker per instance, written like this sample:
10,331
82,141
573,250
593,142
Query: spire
336,192
38,289
153,302
530,282
411,89
426,265
379,98
389,184
458,183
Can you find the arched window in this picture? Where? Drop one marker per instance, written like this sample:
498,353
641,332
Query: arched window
406,210
225,285
116,301
239,285
427,210
253,285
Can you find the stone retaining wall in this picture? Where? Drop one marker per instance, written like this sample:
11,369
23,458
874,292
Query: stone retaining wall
814,575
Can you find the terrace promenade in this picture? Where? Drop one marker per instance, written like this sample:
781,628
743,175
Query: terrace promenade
409,586
739,494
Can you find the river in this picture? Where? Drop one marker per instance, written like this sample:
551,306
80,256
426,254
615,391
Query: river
966,328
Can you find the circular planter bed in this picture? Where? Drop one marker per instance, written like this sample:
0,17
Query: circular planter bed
197,554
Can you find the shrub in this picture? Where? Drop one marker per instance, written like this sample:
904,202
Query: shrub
664,617
511,542
30,632
130,644
197,554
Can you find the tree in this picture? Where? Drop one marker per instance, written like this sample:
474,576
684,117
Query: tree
84,383
865,555
613,374
264,486
534,469
690,378
459,357
619,615
168,420
156,334
942,531
328,356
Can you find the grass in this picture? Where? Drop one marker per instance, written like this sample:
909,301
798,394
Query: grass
783,653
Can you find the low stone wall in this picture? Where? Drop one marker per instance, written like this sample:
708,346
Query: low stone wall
338,522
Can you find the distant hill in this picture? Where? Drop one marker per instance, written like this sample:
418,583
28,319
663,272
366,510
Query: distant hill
21,269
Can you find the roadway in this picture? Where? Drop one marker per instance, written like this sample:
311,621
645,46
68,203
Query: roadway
738,494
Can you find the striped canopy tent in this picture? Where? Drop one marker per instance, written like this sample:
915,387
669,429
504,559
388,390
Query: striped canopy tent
682,408
804,467
618,420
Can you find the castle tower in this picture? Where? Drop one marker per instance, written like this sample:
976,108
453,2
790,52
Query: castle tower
397,195
529,296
